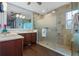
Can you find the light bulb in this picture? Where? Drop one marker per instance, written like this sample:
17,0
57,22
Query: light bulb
23,17
20,16
17,15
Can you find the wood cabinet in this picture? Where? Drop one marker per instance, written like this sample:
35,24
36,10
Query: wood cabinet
11,48
29,38
34,37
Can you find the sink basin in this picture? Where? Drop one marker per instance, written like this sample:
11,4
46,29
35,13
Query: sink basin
7,34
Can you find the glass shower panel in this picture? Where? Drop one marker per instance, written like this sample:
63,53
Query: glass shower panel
75,38
64,35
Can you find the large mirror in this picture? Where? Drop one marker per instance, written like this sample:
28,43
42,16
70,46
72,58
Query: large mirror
17,17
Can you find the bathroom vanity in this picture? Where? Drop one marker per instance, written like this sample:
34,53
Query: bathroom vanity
11,45
30,36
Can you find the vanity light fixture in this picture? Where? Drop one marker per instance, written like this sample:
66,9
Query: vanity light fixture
17,15
21,16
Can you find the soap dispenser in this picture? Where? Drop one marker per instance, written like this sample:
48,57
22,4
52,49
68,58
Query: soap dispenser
4,29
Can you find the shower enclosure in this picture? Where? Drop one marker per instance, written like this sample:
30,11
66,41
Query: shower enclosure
67,21
60,35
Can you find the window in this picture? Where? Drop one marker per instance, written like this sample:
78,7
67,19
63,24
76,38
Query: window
69,18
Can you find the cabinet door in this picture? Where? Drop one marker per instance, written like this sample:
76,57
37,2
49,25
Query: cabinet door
7,48
24,35
28,37
34,36
11,48
19,47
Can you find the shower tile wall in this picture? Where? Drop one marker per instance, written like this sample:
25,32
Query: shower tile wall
63,35
57,33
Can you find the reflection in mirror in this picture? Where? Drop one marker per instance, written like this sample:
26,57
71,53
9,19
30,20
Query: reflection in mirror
18,18
18,21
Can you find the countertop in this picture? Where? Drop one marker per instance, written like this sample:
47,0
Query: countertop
13,34
18,31
10,36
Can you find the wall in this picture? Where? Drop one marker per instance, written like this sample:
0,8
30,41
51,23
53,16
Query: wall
64,36
48,20
3,17
16,9
57,32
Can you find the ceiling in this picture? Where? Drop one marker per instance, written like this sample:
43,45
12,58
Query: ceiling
41,9
15,9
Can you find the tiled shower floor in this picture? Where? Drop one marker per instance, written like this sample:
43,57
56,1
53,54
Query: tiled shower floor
55,47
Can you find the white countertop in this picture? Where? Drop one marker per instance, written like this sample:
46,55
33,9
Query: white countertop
6,37
14,34
18,31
